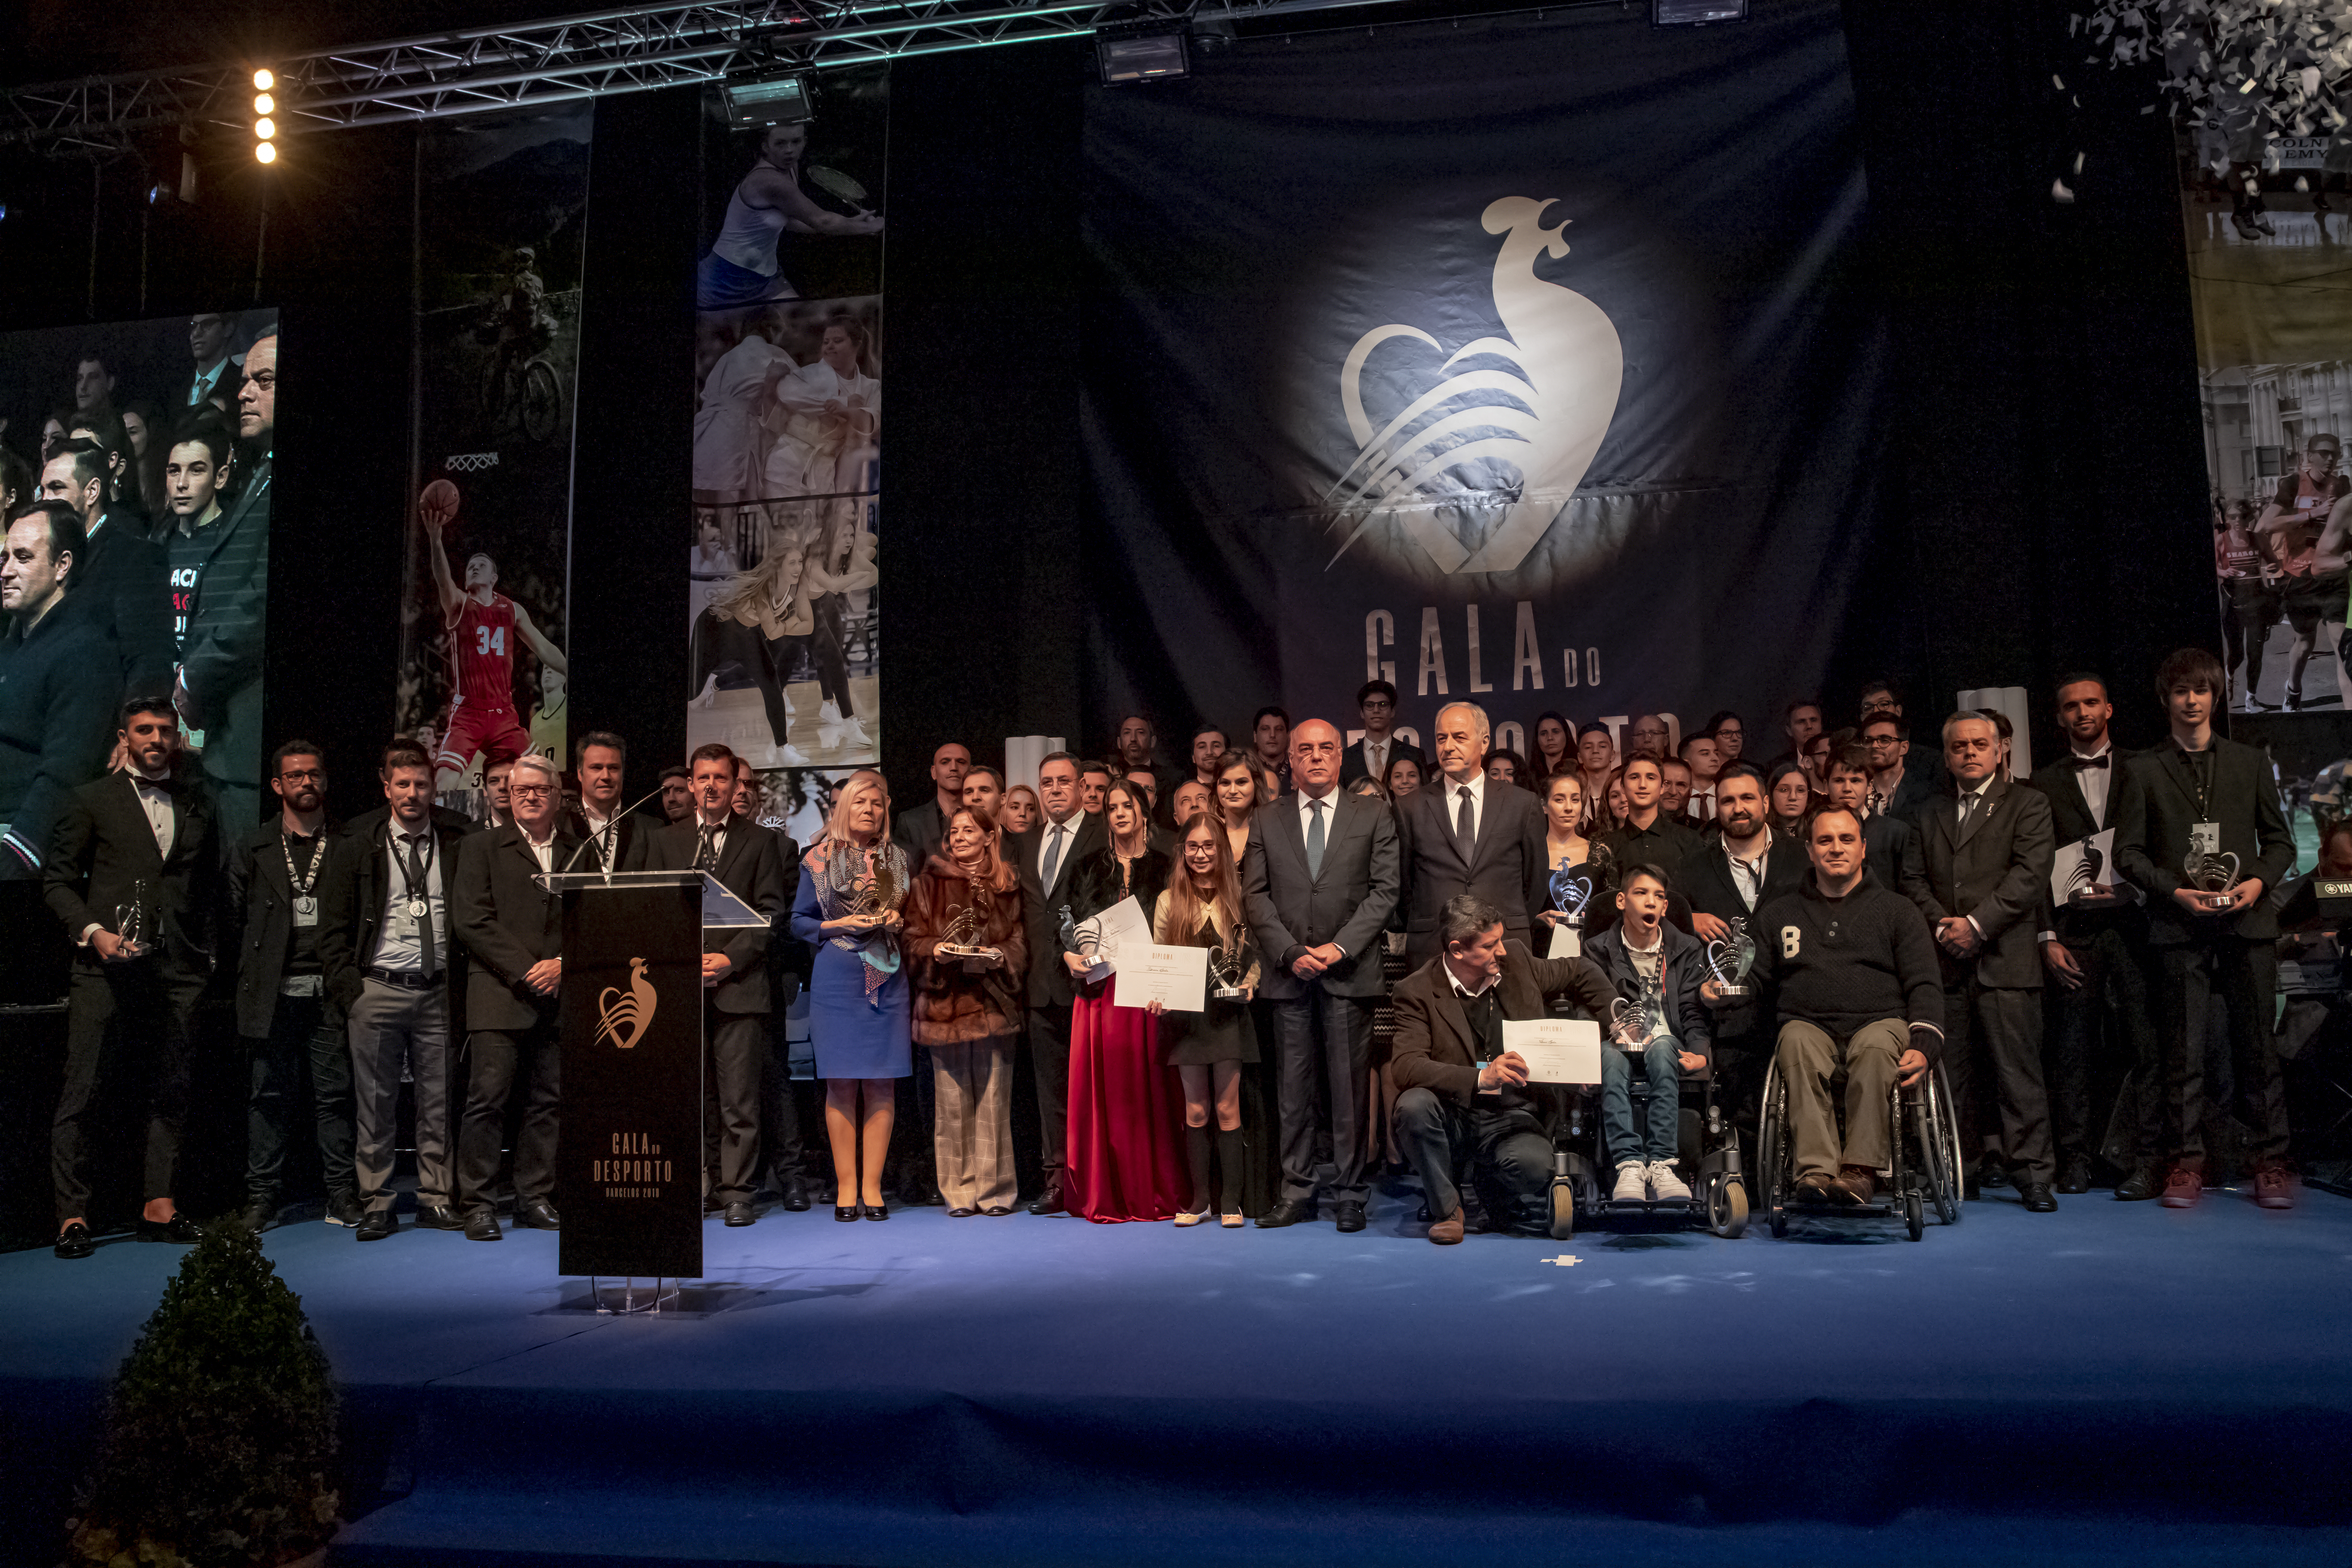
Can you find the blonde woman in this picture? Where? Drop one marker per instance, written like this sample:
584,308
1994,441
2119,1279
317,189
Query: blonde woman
853,881
1203,908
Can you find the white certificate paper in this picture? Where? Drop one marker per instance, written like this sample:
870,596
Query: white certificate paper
1175,977
1557,1050
1122,926
2087,863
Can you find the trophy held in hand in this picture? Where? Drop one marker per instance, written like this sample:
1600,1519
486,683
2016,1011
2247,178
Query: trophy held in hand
1730,958
2212,876
1085,939
957,940
1571,890
1229,967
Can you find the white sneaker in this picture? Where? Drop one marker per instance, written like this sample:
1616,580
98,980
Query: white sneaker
1633,1183
829,713
1667,1186
853,733
791,757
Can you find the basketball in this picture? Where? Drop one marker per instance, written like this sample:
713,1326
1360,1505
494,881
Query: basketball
439,502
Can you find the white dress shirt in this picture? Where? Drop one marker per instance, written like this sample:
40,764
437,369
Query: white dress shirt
1053,857
1375,755
396,947
1748,876
2096,782
156,801
1307,803
1451,793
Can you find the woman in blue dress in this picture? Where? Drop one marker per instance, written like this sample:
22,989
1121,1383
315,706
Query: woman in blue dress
852,882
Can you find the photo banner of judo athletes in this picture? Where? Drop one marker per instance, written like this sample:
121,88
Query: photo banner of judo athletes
1528,361
784,614
157,439
501,238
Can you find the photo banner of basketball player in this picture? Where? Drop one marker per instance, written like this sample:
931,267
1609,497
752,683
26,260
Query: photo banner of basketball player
154,441
2275,359
1527,362
501,239
785,614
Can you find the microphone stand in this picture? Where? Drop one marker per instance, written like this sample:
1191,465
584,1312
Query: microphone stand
610,823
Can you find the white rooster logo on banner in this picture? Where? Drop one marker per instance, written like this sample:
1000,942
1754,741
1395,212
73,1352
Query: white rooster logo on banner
1546,420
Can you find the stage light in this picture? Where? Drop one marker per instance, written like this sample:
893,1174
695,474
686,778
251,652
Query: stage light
265,128
767,97
1695,13
265,153
263,103
263,81
1140,57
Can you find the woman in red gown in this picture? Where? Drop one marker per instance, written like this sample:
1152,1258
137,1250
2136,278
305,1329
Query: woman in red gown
1126,1156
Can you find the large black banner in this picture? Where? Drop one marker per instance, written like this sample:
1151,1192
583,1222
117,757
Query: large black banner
1525,362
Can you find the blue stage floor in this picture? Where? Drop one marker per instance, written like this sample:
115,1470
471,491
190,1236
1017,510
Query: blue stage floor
2112,1383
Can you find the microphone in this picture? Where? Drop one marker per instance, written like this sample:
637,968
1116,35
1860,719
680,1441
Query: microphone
610,823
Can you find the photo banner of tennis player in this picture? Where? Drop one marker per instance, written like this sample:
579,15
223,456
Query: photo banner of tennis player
2275,358
501,239
784,614
1528,364
155,440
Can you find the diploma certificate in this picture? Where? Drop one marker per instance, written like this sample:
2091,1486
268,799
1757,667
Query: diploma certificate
1175,977
1557,1050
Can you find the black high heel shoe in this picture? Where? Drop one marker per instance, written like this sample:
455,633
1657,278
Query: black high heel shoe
878,1210
845,1214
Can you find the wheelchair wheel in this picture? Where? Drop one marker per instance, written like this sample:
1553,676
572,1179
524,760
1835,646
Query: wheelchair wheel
1771,1152
1940,1130
1563,1211
1727,1209
1914,1219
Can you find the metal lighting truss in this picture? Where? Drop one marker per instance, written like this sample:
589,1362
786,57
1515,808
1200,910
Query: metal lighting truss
626,49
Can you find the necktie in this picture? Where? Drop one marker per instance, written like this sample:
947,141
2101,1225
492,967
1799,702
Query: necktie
1467,824
1967,809
1053,857
706,854
425,952
1315,838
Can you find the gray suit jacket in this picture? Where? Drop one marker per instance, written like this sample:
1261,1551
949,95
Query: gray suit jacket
1997,876
1348,902
1506,866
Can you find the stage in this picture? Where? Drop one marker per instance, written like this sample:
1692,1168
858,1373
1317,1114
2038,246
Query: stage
2109,1384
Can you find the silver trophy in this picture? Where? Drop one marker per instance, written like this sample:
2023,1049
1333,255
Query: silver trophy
1629,1024
130,920
1730,957
2212,876
1230,965
1571,890
1085,939
957,940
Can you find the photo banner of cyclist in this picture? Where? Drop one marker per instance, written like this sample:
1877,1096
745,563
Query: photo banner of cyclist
1528,361
785,614
501,241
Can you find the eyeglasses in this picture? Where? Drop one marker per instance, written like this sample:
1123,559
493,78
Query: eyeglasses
1882,740
297,774
528,791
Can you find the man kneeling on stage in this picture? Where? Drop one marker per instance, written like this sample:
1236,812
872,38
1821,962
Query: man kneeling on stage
1853,972
1461,1099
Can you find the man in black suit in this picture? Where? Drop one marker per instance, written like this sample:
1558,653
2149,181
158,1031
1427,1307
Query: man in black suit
512,929
1048,856
121,583
1986,846
58,686
1457,833
1734,873
748,861
923,828
1899,785
1892,856
1368,758
2091,944
293,1031
1319,880
2199,792
225,580
615,838
1462,1098
142,846
388,950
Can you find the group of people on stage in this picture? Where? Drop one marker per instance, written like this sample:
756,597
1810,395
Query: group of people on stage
1376,913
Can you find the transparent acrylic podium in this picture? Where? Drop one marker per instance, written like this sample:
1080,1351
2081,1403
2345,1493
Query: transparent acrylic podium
629,1145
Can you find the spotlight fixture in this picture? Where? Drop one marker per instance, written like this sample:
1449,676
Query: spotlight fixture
1125,57
263,81
265,153
1695,13
767,97
265,128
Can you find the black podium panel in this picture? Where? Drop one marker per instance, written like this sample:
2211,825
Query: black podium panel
629,1159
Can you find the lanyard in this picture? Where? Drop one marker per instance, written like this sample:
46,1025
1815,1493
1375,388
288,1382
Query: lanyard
2201,780
416,868
302,883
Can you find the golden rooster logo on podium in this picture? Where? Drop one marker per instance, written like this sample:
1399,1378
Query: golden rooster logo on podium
623,1017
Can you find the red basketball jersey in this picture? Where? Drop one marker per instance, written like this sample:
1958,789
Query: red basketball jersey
481,652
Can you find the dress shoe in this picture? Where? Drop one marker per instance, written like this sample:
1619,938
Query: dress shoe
1286,1212
1858,1183
1348,1216
997,1211
482,1225
2075,1173
796,1198
260,1215
934,1199
179,1230
343,1209
878,1210
2182,1188
961,1212
74,1240
537,1214
844,1216
1234,1221
1991,1173
2139,1185
437,1216
1049,1202
1476,1221
2037,1197
1446,1232
739,1214
1820,1187
2273,1188
377,1224
1422,1214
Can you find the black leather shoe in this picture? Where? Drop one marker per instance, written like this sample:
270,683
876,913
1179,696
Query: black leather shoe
179,1230
878,1211
1991,1173
437,1216
1049,1202
482,1225
75,1240
935,1199
343,1209
2138,1186
845,1216
961,1210
260,1215
377,1224
537,1214
1348,1216
996,1211
796,1197
1286,1212
739,1214
2075,1173
2037,1197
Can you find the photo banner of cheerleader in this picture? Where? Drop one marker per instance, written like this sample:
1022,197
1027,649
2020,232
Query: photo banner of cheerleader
784,616
502,239
1525,360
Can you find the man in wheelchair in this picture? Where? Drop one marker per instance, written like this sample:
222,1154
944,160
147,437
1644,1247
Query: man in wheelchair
1655,972
1852,972
1461,1099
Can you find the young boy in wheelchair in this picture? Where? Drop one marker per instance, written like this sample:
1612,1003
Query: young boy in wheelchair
1657,971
